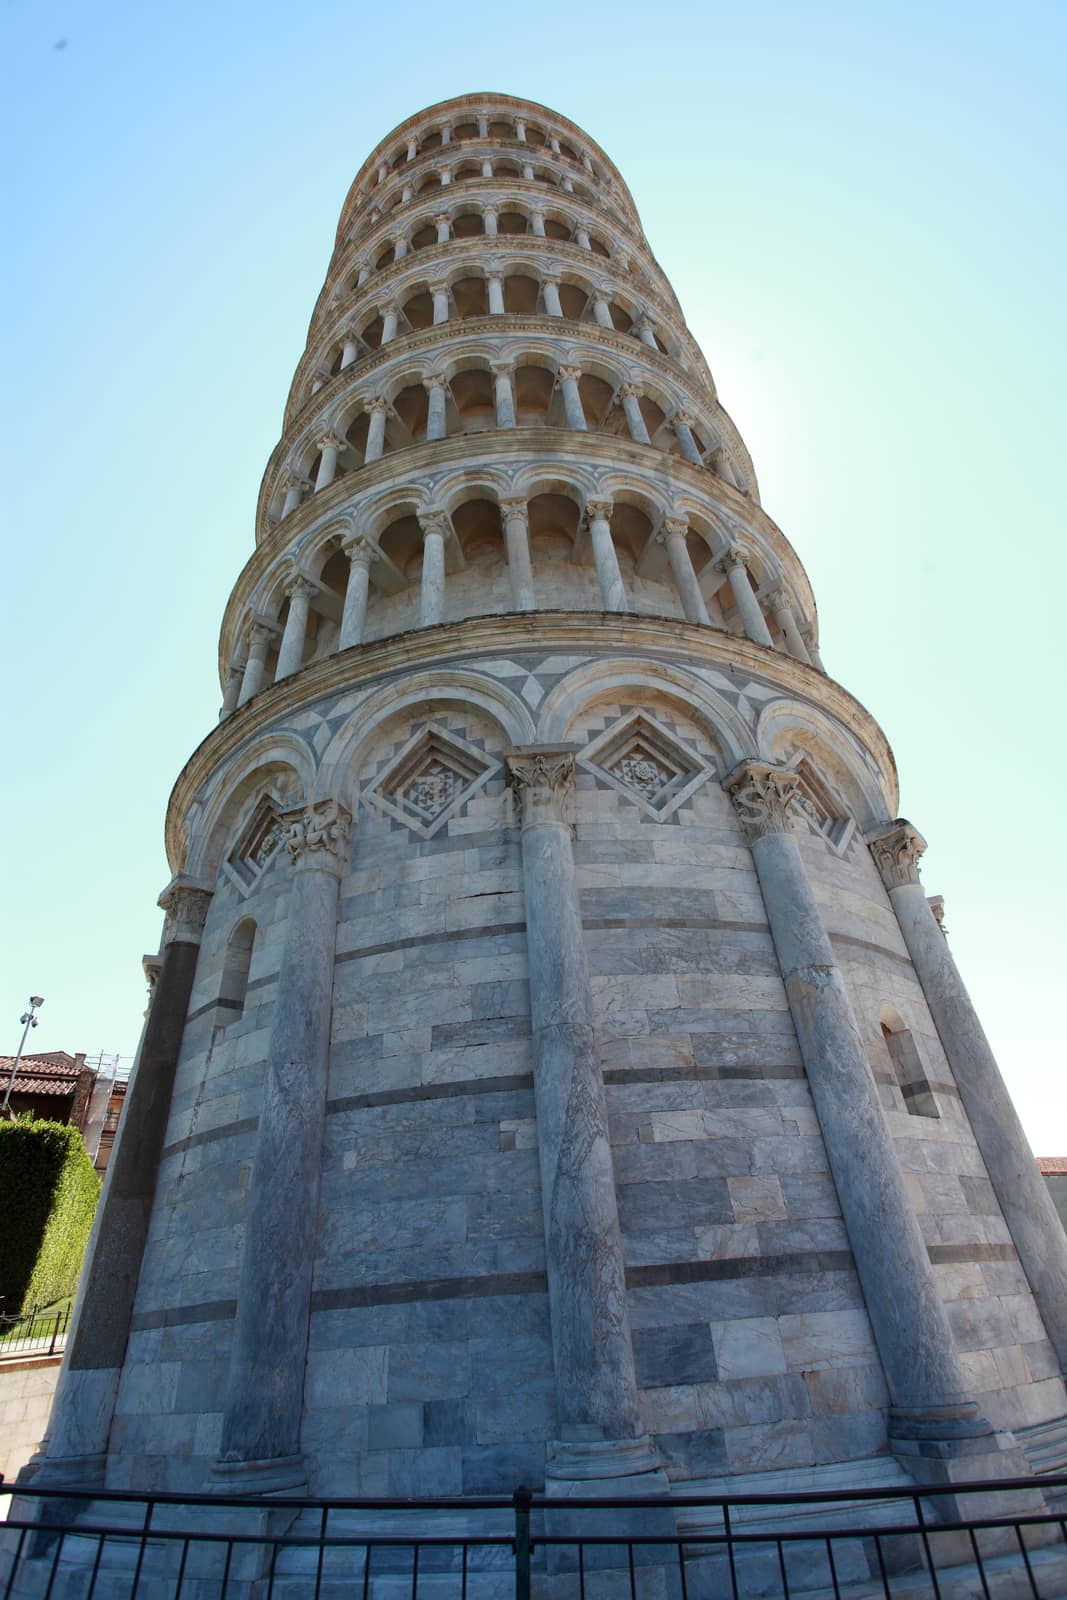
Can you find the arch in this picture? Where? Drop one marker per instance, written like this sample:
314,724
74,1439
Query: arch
906,1062
233,984
728,732
342,760
279,765
787,728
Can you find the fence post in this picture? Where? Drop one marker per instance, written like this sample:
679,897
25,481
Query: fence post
55,1334
522,1499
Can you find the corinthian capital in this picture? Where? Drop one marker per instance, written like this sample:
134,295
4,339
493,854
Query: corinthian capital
543,778
896,851
318,836
764,797
186,903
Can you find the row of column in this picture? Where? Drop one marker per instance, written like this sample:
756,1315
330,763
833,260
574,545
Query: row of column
247,678
445,129
600,1432
401,241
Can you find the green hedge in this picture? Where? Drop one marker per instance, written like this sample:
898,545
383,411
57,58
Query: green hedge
48,1195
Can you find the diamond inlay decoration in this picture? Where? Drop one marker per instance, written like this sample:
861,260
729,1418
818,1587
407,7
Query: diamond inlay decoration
430,780
257,846
645,762
821,809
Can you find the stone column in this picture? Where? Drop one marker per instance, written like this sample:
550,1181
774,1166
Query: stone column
390,316
581,237
407,193
807,633
572,398
360,553
440,302
496,294
595,1384
646,332
675,532
528,171
291,651
349,347
1020,1190
434,525
553,144
783,615
520,130
747,605
446,133
437,399
504,394
96,1347
295,488
601,310
365,270
612,592
517,539
400,246
537,223
446,177
553,304
413,149
487,168
376,409
491,218
255,666
915,1342
630,394
319,379
568,183
383,172
330,446
232,689
264,1390
443,223
483,125
682,423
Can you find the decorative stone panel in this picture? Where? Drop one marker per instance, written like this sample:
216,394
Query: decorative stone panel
430,781
640,758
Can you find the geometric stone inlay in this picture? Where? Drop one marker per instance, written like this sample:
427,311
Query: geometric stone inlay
257,846
645,762
820,807
430,780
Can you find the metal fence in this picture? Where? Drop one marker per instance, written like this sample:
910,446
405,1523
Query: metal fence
38,1333
981,1541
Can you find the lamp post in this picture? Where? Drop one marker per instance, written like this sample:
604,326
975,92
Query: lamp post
28,1020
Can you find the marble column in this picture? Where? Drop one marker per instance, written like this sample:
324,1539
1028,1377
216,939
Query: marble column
646,332
491,218
747,605
377,409
390,316
503,393
446,177
319,379
349,347
443,224
496,294
96,1346
528,171
807,633
434,525
263,1401
582,239
291,650
295,489
407,193
553,144
520,130
783,615
365,270
483,126
630,395
602,311
682,423
437,400
517,540
487,168
446,133
553,304
232,689
413,149
568,183
256,665
1019,1187
675,534
918,1353
330,447
537,223
600,1429
400,246
612,591
440,302
572,398
360,553
383,172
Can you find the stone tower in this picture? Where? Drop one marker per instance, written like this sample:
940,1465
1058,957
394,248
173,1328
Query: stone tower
556,1071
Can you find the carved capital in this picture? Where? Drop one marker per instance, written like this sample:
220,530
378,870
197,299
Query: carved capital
936,902
439,286
675,527
764,797
632,391
514,507
601,509
778,601
260,635
442,216
543,779
550,280
298,588
318,836
186,904
359,550
502,369
735,557
569,372
295,480
377,402
682,419
434,522
490,211
896,851
330,441
436,380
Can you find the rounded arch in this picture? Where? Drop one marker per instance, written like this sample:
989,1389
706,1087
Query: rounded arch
731,736
343,758
279,765
788,729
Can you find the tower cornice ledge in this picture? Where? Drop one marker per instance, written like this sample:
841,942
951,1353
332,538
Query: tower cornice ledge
447,644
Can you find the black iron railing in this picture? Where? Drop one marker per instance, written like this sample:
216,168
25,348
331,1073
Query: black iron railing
988,1539
38,1333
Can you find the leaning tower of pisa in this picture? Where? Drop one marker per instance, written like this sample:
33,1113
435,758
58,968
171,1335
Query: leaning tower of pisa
556,1072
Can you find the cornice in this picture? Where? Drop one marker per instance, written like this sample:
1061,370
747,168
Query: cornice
493,636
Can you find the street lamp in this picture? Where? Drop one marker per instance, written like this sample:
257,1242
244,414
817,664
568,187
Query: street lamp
28,1020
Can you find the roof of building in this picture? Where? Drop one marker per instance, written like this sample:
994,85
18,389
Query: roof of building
1051,1164
52,1072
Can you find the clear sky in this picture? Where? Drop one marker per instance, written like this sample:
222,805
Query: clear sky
860,207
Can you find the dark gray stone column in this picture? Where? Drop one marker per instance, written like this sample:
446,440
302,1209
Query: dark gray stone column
914,1339
76,1448
265,1389
600,1429
1019,1188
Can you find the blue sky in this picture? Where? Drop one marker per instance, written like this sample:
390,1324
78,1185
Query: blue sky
861,210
